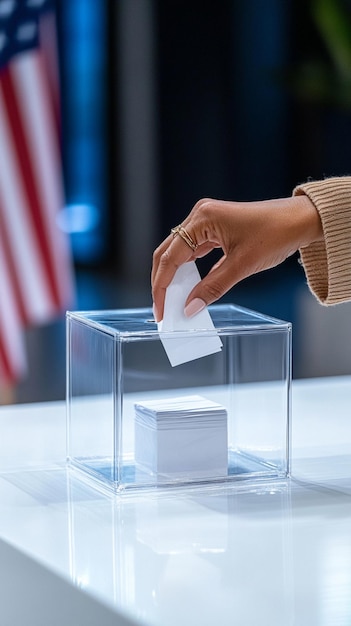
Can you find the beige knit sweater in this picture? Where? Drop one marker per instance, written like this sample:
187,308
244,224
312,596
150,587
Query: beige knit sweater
328,263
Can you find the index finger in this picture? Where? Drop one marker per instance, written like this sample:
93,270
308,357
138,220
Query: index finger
157,255
170,255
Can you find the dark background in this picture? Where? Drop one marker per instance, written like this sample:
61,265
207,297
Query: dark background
237,99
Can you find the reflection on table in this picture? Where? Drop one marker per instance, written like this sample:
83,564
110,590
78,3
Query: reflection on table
275,554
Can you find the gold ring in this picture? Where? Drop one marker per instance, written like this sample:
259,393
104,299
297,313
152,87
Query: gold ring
180,230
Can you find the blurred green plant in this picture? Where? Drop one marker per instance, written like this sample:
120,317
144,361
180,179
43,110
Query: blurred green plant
327,80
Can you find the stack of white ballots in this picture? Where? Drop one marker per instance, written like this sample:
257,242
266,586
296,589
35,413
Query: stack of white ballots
183,437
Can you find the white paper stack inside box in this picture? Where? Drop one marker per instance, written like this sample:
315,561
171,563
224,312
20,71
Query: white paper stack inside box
183,437
117,364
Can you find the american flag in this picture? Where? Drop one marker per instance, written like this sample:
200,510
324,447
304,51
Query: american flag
36,281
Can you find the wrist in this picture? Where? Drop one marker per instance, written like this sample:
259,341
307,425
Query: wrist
308,221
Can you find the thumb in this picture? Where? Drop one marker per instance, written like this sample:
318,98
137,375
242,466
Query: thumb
217,282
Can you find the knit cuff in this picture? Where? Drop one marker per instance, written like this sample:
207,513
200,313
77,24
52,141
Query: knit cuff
328,263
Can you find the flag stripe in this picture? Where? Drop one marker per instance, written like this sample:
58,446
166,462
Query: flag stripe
18,228
12,355
25,165
39,125
4,243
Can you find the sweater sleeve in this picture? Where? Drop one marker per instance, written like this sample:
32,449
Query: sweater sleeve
327,263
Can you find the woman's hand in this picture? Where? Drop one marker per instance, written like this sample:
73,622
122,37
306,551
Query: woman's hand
253,236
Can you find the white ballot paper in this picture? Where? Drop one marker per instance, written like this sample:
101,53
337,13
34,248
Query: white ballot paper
181,437
183,349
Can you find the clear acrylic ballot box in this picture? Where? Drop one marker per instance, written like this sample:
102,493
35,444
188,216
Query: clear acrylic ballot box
134,421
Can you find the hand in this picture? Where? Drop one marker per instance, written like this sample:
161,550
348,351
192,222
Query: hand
253,236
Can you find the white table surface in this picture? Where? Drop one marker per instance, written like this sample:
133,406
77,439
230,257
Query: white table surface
276,555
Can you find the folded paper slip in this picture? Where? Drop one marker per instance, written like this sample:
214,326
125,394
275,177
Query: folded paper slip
192,345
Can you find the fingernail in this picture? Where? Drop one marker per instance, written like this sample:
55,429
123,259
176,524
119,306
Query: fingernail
195,306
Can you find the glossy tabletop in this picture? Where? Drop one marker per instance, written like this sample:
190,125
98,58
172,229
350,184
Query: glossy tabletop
278,554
